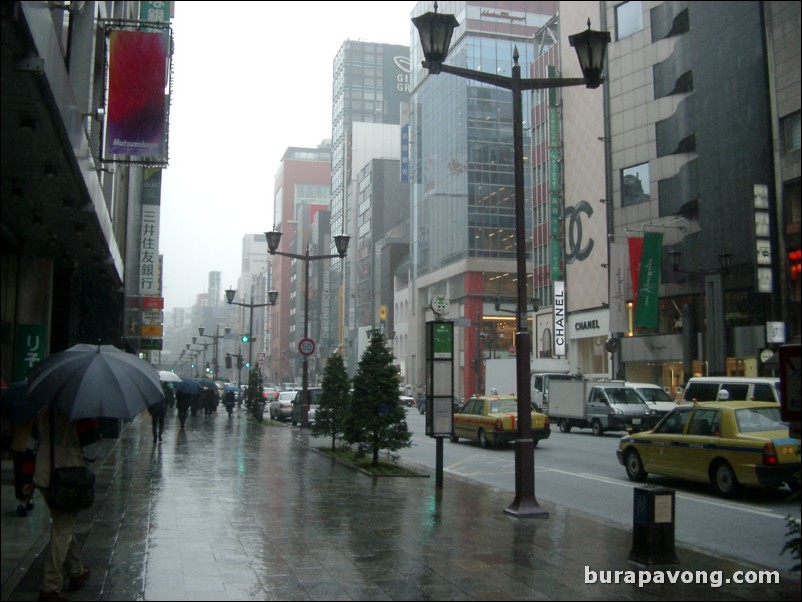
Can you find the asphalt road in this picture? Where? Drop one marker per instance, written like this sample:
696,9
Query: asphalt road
581,472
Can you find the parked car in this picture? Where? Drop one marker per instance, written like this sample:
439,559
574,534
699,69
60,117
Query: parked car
456,404
281,406
314,402
492,420
406,400
726,444
660,402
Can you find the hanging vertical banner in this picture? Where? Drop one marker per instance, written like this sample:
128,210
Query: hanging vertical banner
618,288
635,253
646,314
137,109
560,335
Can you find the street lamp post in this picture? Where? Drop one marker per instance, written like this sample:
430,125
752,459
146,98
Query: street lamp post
273,298
435,31
215,337
341,244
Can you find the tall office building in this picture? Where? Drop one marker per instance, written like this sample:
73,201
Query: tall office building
700,159
370,95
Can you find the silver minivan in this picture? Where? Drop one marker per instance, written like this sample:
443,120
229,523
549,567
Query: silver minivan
732,388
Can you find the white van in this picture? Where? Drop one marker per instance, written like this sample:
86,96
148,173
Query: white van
659,401
732,388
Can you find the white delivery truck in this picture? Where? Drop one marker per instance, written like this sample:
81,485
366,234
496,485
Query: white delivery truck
500,376
598,405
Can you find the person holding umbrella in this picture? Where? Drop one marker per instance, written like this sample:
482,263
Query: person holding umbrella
78,385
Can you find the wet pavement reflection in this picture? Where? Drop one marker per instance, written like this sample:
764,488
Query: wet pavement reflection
229,509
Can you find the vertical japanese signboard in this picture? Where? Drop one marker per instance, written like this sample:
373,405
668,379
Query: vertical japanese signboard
30,348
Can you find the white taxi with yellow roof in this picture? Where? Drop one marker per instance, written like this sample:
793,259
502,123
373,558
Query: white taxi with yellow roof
726,444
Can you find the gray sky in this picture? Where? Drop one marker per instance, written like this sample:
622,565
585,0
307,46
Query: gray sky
246,86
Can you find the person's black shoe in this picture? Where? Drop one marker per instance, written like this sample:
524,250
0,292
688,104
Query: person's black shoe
21,511
78,580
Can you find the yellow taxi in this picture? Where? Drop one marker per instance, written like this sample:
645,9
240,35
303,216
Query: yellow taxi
493,420
727,444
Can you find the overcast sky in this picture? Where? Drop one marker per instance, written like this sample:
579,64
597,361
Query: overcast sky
249,80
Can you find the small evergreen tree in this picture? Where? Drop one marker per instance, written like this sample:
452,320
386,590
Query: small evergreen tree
254,393
334,400
375,418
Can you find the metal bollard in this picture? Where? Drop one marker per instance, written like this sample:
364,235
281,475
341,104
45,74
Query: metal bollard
653,526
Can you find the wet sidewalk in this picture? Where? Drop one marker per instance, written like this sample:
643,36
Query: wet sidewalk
228,509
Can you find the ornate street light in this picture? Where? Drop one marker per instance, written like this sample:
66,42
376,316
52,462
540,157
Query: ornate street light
273,298
215,337
435,31
341,244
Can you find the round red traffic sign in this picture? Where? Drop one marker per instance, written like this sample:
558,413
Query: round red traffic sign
306,346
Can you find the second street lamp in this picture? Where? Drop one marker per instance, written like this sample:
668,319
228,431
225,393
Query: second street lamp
306,346
272,296
435,31
216,337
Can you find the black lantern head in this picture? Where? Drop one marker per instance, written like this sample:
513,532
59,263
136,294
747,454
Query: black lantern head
273,297
273,238
230,294
435,32
591,46
341,243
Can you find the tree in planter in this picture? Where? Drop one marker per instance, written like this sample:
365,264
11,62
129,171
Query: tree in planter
254,393
334,400
375,419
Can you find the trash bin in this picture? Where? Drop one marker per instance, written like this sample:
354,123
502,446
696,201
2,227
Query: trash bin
653,526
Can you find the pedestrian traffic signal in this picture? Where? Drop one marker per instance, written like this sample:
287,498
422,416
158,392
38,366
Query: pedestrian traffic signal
228,362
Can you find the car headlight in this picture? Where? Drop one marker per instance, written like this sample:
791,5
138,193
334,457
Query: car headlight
618,411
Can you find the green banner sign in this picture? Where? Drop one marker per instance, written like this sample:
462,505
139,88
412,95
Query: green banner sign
646,314
442,341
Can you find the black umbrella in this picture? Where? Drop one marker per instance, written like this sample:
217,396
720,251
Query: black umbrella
89,381
16,405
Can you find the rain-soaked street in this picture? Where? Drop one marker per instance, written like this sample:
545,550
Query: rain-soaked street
233,510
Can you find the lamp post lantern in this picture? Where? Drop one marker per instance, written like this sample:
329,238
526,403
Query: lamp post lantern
435,31
341,244
273,298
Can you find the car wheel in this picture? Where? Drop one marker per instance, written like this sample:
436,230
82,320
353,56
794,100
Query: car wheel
483,439
565,426
724,481
598,430
634,466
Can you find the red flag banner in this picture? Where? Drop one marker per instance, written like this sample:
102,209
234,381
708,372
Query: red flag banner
635,253
137,117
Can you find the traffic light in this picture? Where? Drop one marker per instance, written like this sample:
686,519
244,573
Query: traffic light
228,362
245,338
239,362
192,365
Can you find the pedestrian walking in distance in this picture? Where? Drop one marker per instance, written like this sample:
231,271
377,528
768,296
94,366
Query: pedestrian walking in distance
157,412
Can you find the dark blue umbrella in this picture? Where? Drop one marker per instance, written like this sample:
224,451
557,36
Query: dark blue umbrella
230,387
16,405
189,386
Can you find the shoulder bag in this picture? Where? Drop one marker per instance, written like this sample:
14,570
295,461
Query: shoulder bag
72,488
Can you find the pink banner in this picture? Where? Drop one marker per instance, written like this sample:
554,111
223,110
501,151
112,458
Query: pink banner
137,106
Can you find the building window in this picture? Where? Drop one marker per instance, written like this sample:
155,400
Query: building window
791,132
635,185
628,19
